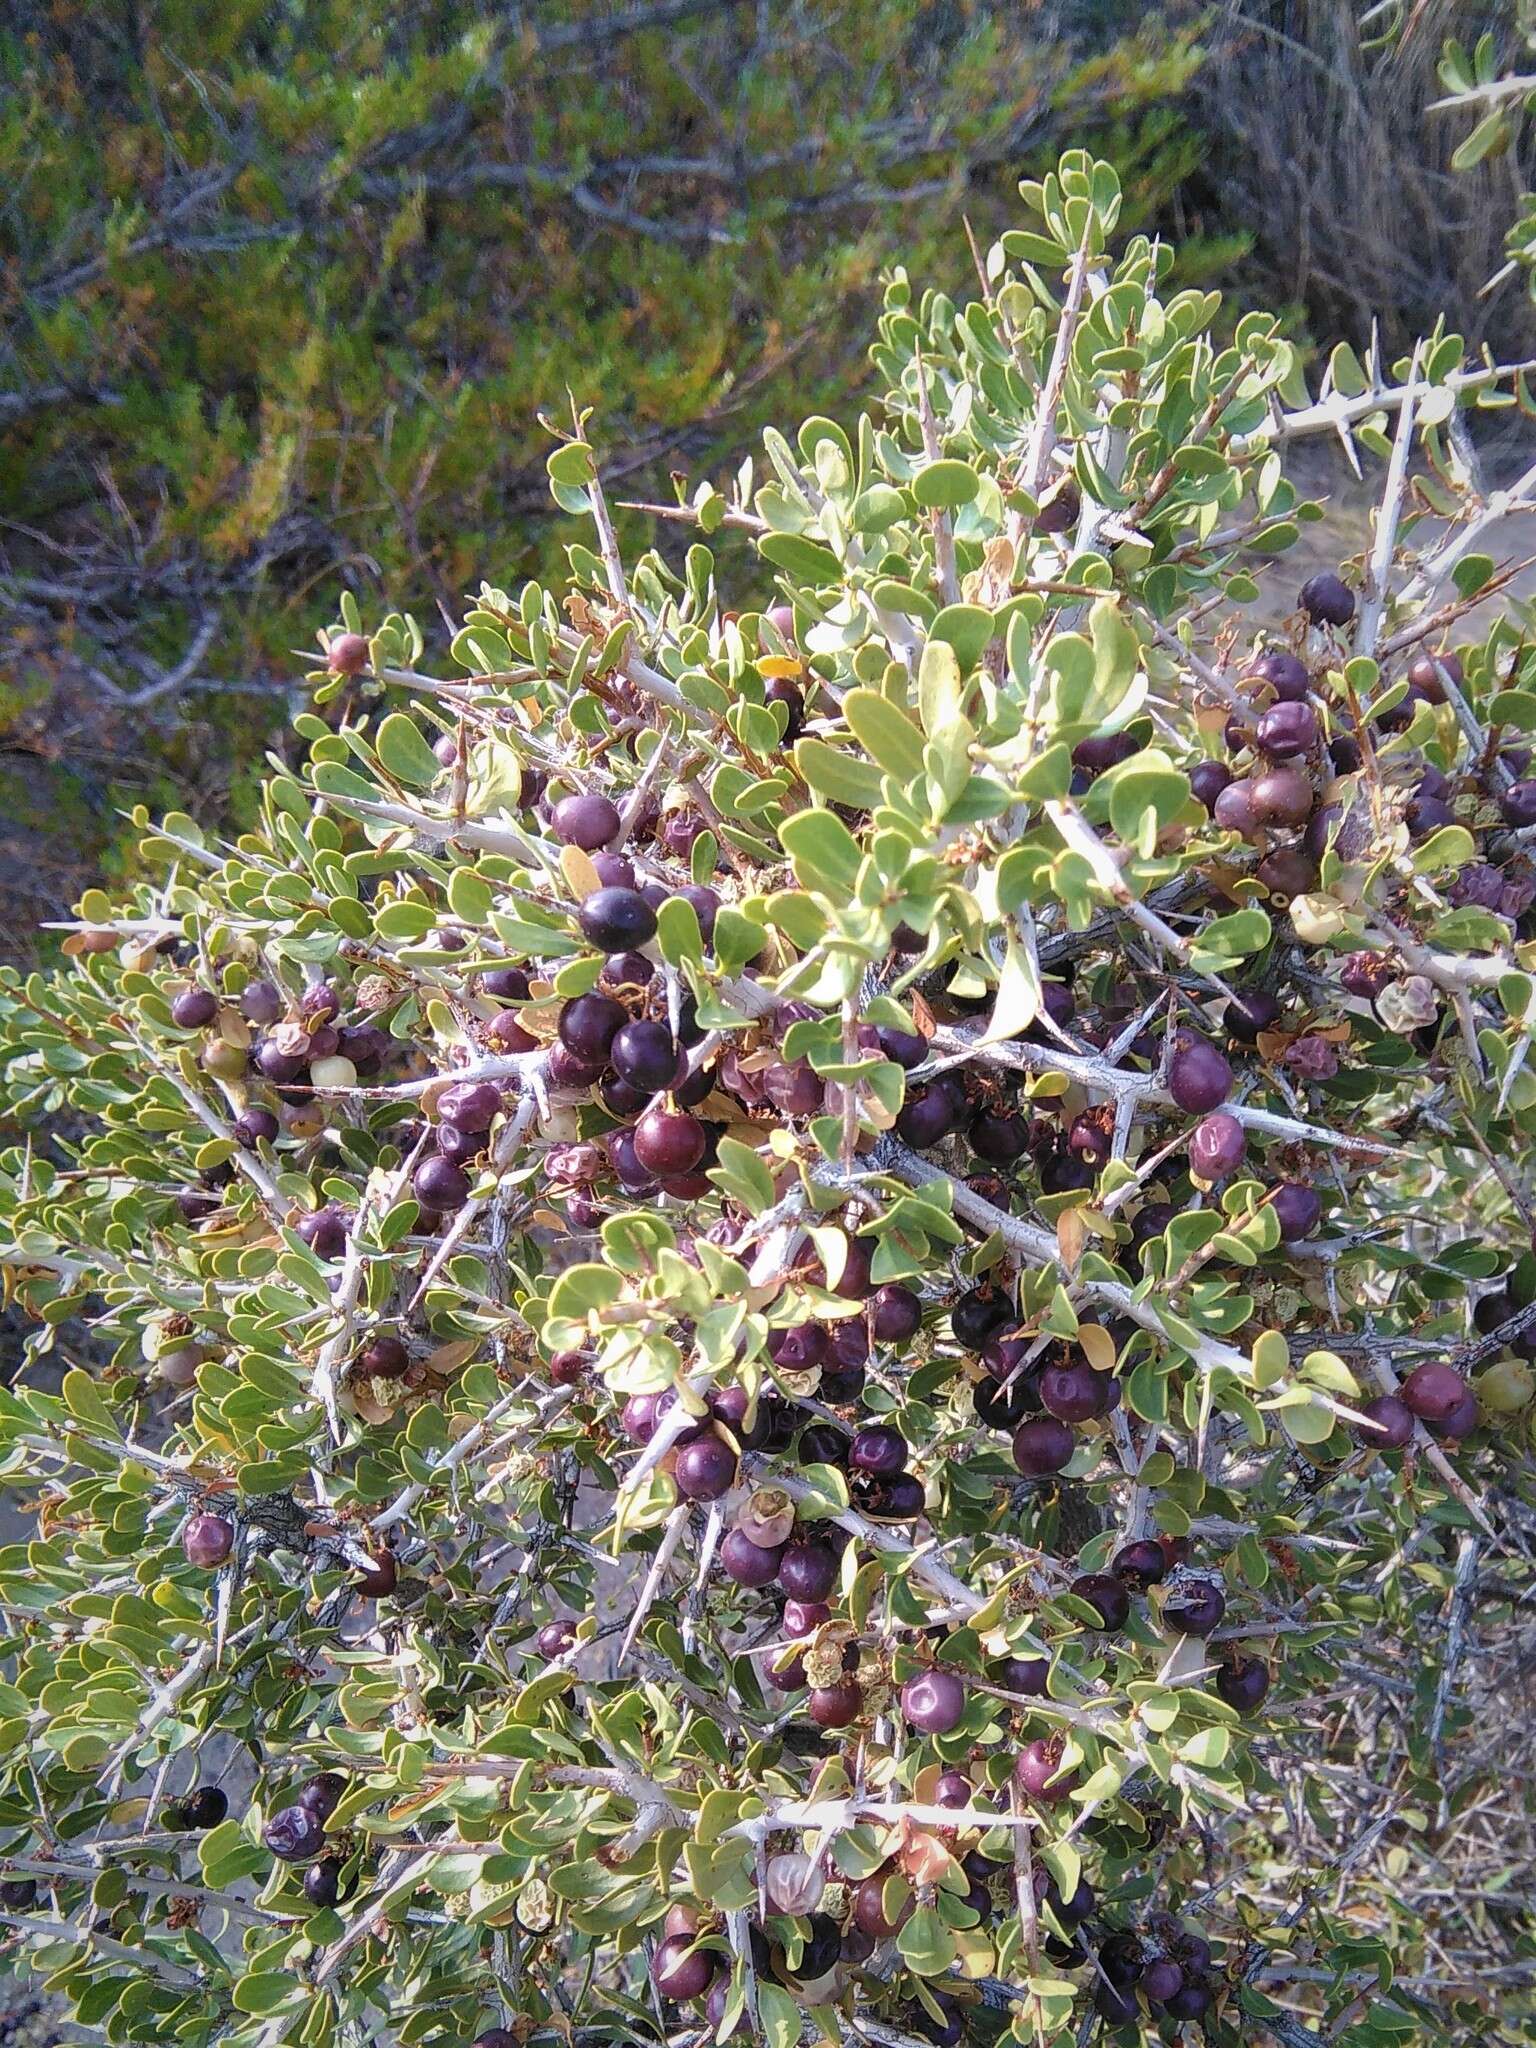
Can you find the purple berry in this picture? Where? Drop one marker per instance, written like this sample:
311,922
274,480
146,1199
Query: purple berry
194,1008
1195,1608
679,1970
1142,1563
933,1702
808,1569
586,821
208,1540
1287,729
1199,1078
749,1563
470,1105
1216,1146
878,1450
588,1026
1433,1391
439,1184
1298,1209
895,1314
705,1469
1327,600
1042,1446
1242,1683
294,1835
1106,1595
669,1141
1388,1425
1037,1770
617,920
1208,779
1286,676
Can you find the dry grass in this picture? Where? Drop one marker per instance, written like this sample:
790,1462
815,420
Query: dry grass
1322,150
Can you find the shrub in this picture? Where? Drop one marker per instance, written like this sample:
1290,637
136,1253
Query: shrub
765,1310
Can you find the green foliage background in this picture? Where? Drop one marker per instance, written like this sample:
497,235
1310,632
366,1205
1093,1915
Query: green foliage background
287,288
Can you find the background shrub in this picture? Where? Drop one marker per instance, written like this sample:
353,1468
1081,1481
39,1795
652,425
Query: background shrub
288,289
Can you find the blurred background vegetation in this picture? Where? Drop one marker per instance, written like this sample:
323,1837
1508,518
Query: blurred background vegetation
285,285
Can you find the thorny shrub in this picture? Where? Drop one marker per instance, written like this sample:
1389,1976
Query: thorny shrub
750,1305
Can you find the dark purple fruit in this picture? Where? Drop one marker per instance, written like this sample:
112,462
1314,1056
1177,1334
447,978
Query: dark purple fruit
1248,1013
1208,779
1106,1595
1242,1683
509,983
895,1314
1298,1209
669,1141
645,1055
906,1048
879,1450
780,690
617,920
1026,1676
1388,1425
926,1117
194,1008
1195,1608
321,1794
1189,2001
588,1026
1161,1981
1199,1078
1074,1392
1142,1563
18,1893
1433,1391
555,1638
836,1706
1216,1146
588,821
439,1184
254,1126
1233,808
260,1002
808,1568
470,1106
376,1581
294,1835
749,1563
953,1790
204,1808
976,1316
322,1883
679,1970
705,1469
1327,600
869,1909
1286,676
1281,796
1104,750
933,1702
1042,1446
1287,729
1037,1770
324,1231
208,1540
998,1139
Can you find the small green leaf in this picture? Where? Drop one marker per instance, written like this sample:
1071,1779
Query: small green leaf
404,754
944,486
